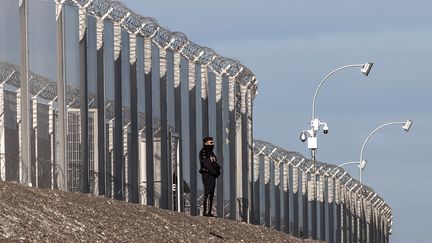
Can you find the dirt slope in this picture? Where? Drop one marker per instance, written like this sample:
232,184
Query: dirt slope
31,214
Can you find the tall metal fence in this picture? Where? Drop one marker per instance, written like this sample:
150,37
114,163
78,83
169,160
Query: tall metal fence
325,203
97,99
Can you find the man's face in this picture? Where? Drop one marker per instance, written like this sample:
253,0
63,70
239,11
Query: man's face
209,142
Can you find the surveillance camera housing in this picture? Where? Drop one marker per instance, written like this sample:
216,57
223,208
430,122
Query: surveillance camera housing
325,129
303,137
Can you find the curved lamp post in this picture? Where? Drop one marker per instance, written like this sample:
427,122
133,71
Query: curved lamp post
406,125
310,135
361,164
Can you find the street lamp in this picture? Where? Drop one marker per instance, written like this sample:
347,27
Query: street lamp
361,164
311,134
406,125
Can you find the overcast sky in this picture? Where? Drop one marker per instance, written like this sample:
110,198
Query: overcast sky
292,45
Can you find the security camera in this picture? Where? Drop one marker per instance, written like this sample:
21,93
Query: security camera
325,129
303,137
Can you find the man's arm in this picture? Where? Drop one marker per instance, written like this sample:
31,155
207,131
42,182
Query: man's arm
208,166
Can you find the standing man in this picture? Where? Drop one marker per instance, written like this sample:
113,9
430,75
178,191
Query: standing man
210,170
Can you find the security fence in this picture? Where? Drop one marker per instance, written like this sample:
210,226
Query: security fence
325,203
97,99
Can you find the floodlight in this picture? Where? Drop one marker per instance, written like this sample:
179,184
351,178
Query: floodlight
362,164
407,125
366,68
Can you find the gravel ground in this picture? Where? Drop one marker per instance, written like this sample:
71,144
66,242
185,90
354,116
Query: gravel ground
39,215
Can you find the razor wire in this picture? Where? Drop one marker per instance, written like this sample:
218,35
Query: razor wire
279,155
117,12
47,89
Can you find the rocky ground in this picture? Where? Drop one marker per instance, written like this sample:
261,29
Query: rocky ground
30,214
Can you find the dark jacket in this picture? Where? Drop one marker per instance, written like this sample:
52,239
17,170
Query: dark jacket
209,165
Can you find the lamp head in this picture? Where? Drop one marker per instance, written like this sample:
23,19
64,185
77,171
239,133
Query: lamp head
366,68
407,125
362,164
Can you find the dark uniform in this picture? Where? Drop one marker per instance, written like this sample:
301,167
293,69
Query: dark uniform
210,170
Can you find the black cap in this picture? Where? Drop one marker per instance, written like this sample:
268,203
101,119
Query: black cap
207,139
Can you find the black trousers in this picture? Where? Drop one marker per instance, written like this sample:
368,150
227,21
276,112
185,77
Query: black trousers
209,182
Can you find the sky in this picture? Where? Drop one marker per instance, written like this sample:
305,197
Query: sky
292,45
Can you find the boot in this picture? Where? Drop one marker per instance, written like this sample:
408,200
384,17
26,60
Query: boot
205,204
210,206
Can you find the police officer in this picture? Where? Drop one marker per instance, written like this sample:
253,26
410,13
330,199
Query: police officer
210,170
